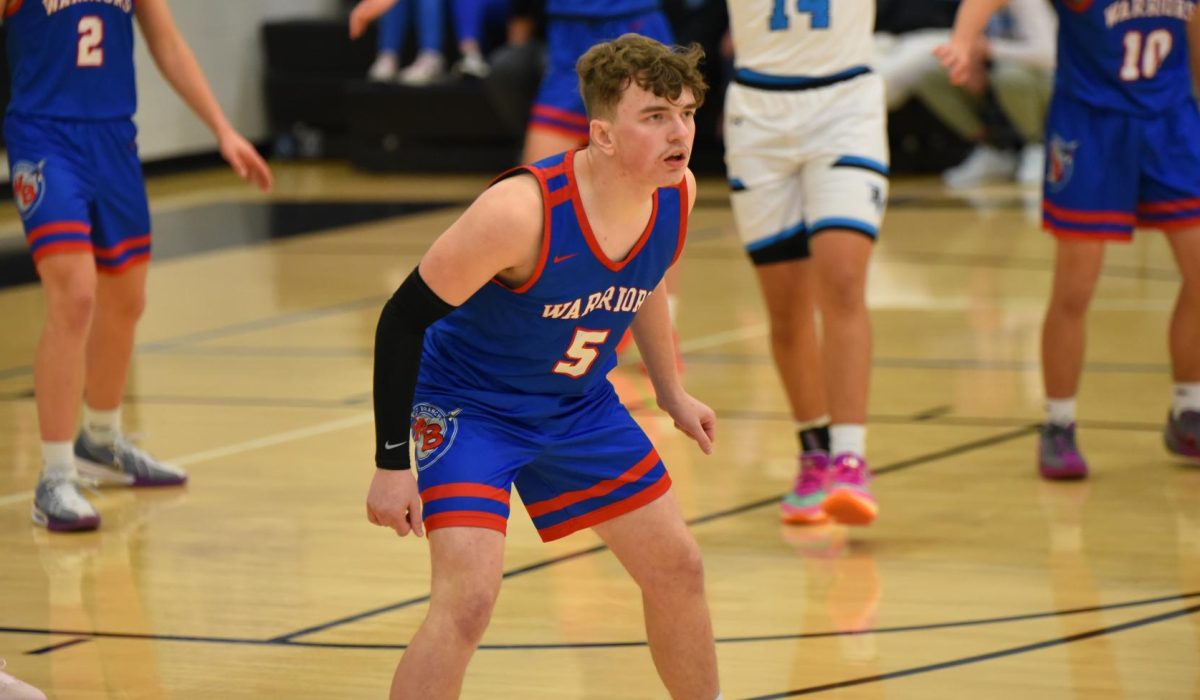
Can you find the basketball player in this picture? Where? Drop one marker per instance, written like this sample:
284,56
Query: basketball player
492,358
78,186
1123,142
807,157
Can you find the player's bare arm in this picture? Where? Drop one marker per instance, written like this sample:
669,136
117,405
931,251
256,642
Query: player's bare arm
365,12
969,23
178,65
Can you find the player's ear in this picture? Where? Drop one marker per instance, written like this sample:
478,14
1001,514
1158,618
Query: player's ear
600,134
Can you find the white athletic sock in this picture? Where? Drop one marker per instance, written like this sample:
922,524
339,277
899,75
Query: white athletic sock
1060,412
102,427
58,460
847,437
1186,397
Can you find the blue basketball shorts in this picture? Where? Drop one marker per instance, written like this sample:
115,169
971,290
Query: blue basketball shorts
559,106
1108,172
78,187
574,467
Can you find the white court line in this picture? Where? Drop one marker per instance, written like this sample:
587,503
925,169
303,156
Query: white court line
246,446
692,345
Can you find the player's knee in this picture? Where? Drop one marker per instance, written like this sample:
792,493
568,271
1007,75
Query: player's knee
471,612
679,572
845,291
71,307
1071,303
127,307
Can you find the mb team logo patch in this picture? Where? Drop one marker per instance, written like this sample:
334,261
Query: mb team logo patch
433,432
1062,163
29,186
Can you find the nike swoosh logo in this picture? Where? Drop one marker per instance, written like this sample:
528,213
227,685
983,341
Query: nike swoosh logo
390,446
560,258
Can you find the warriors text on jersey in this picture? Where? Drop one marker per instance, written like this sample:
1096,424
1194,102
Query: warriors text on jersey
555,335
1124,55
71,59
830,38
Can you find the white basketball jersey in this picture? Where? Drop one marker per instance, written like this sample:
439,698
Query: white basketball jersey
801,38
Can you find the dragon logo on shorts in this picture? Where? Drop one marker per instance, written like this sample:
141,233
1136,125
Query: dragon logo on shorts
1062,163
433,433
29,186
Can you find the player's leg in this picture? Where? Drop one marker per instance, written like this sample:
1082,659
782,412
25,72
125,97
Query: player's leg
558,120
1182,433
656,548
122,250
1089,196
466,572
768,208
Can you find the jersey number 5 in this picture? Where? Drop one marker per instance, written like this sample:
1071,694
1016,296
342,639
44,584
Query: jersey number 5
582,353
1144,58
91,35
818,9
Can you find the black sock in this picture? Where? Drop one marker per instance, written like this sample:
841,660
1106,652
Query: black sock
814,439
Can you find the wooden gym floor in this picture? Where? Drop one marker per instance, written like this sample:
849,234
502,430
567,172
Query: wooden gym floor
263,579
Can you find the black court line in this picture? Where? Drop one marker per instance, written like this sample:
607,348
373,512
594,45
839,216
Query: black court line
940,363
955,421
978,658
56,647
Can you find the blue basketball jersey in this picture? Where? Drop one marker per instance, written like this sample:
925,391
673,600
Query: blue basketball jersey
1124,55
598,9
556,335
72,59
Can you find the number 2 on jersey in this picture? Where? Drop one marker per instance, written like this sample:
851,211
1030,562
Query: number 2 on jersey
91,35
818,9
581,353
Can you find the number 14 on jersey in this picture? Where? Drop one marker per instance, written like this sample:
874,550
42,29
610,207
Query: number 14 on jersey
818,10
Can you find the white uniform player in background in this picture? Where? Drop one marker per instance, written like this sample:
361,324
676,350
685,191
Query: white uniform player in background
807,157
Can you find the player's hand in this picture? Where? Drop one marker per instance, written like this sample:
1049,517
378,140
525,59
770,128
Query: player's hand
692,418
956,58
393,501
365,12
245,160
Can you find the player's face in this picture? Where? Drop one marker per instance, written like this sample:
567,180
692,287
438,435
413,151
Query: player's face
653,135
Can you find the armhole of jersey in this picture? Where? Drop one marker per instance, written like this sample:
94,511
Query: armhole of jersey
544,253
10,10
683,218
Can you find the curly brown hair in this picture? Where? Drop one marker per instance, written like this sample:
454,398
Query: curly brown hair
610,67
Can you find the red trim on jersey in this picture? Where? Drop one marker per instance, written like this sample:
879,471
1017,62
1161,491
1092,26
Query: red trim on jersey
1174,205
561,115
1089,217
124,264
1171,224
60,248
1078,5
13,8
58,227
545,249
464,489
600,515
586,226
684,210
467,518
603,488
580,134
120,248
1072,234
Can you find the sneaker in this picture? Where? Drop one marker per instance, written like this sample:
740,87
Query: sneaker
12,688
802,506
849,500
123,464
984,165
58,506
1058,454
1182,434
383,69
424,70
473,65
1031,165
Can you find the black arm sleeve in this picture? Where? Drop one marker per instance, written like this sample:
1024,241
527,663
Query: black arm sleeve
398,339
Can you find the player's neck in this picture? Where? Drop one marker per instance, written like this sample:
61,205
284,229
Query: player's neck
602,183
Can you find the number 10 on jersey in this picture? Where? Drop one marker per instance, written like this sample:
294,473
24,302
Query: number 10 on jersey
818,9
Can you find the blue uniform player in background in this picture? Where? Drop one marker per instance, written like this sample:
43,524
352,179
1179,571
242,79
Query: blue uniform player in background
492,359
77,183
1123,150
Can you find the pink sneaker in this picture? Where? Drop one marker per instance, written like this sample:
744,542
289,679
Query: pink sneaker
849,500
802,506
